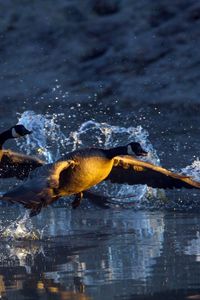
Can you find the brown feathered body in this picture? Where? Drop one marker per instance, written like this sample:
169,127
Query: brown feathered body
80,170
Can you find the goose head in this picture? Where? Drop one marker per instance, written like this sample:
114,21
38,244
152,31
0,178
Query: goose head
19,131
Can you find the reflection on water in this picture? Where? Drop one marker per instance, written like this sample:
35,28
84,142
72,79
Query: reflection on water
101,254
194,248
83,251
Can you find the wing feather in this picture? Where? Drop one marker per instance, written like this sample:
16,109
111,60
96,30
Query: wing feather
133,171
17,165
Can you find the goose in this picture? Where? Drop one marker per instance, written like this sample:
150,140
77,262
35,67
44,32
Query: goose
82,169
14,132
13,164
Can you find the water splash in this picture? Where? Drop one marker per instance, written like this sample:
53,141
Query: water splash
93,133
193,170
20,253
22,229
46,139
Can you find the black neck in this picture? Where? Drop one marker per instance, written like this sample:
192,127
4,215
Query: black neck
4,136
116,151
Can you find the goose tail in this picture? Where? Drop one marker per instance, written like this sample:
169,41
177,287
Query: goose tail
30,198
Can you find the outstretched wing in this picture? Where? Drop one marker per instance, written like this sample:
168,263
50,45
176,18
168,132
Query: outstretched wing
17,165
132,171
40,189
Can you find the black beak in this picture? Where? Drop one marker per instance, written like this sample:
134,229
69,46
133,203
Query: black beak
26,131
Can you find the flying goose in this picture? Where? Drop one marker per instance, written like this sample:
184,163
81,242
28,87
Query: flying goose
13,164
79,170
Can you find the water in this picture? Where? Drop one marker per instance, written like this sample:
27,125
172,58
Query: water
112,254
146,246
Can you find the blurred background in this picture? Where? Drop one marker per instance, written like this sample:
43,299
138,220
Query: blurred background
125,54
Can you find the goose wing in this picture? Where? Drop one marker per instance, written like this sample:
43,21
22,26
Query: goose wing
133,171
40,189
17,165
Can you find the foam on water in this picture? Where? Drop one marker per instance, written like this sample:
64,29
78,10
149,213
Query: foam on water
22,228
20,253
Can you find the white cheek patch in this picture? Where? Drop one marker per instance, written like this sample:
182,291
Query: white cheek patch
14,133
130,151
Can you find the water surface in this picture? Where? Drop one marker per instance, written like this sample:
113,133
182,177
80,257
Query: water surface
98,254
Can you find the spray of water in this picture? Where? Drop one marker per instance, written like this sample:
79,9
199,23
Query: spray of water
22,228
193,170
46,139
105,135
